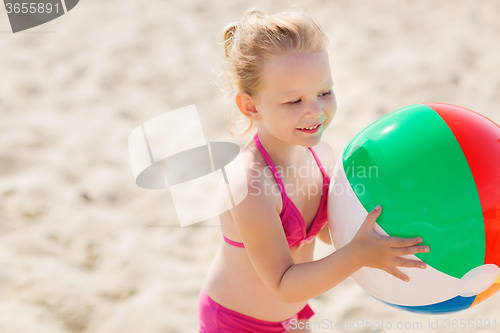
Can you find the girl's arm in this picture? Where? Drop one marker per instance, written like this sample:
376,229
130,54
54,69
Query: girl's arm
367,248
260,228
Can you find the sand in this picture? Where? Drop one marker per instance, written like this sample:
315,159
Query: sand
83,249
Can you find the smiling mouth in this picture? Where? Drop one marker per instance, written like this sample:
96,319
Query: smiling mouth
309,128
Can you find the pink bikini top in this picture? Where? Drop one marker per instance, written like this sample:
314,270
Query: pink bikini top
291,219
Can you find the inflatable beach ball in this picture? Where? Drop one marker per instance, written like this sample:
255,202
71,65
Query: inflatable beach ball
435,170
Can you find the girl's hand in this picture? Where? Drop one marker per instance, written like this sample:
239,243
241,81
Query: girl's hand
384,252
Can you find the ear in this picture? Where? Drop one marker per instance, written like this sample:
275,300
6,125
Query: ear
247,106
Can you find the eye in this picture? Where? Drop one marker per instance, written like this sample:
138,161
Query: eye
297,101
327,93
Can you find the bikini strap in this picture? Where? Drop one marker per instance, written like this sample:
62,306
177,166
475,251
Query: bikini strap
273,168
271,165
319,163
238,244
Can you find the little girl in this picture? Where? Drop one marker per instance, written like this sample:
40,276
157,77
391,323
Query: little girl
263,273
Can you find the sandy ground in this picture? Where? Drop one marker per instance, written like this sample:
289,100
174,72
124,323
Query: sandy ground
83,249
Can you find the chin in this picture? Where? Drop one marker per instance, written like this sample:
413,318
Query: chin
312,141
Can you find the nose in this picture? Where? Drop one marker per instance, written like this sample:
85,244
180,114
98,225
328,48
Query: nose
315,110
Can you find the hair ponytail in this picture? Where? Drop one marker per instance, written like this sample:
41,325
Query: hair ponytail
229,33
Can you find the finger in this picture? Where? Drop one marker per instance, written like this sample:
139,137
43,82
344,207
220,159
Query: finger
402,251
404,242
409,263
372,217
397,273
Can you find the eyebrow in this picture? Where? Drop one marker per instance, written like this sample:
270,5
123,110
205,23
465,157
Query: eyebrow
293,92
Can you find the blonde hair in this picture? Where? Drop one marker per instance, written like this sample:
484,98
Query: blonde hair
257,38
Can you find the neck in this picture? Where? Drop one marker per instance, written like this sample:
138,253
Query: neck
282,153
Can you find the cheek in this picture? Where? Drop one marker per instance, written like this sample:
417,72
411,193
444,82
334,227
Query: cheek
331,106
330,110
289,113
334,107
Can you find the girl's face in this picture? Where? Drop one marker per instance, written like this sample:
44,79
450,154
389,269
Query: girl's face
296,93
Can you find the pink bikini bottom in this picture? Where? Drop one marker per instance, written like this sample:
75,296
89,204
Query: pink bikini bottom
215,318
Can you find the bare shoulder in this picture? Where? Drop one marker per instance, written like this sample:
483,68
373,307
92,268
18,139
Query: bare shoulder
249,184
326,156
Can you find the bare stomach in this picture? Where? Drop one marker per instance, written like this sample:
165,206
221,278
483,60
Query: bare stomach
233,283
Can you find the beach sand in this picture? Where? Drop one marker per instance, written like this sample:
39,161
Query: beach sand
83,249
